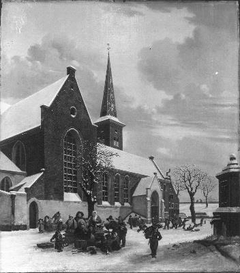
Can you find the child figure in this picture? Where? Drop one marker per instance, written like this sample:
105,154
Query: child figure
153,241
40,225
58,240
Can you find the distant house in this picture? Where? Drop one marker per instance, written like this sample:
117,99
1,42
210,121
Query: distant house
171,200
40,138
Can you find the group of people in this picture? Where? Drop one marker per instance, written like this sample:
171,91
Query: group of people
135,221
177,222
50,224
89,229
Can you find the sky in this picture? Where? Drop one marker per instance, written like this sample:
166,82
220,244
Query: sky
174,66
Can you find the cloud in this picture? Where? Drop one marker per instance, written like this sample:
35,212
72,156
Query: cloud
45,63
159,66
200,74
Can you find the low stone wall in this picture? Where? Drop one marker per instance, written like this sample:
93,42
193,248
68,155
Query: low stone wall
66,208
13,211
5,210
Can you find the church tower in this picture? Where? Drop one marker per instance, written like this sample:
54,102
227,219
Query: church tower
110,129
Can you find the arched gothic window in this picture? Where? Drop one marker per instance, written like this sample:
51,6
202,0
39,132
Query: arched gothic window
69,162
105,187
19,155
116,187
125,189
6,184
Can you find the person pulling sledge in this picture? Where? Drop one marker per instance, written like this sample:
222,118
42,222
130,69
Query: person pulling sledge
58,240
153,240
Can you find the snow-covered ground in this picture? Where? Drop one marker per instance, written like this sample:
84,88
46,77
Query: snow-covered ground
199,207
19,253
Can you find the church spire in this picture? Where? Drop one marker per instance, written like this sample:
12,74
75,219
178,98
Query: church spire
108,102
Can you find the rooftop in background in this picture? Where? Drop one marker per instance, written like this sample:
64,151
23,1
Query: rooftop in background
27,182
7,165
132,163
26,114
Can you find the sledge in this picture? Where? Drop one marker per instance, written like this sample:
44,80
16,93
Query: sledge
45,245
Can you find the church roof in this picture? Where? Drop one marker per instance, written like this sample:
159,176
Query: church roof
7,165
27,182
143,185
26,114
131,163
108,102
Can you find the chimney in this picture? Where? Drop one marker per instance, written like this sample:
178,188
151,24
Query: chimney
71,71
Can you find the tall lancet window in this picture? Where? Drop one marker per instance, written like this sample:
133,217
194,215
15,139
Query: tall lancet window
19,155
116,187
125,189
105,187
69,162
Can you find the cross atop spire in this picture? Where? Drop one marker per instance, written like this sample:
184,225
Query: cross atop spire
108,102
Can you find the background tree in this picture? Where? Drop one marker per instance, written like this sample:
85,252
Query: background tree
92,161
190,177
178,187
207,186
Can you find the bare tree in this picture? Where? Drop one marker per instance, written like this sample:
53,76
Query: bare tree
178,187
207,186
190,177
93,160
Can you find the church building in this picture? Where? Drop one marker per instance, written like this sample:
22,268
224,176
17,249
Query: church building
40,138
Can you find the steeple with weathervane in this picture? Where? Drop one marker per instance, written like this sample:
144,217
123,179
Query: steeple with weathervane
109,127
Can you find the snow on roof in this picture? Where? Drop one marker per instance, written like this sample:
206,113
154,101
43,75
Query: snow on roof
3,106
107,117
28,181
72,197
7,165
26,114
143,185
130,163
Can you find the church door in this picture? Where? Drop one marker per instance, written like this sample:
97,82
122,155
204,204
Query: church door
33,215
155,207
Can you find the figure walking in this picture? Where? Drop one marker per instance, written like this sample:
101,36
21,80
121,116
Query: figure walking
130,221
153,241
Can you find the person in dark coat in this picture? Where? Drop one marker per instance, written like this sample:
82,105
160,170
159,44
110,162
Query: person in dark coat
58,240
47,223
40,225
60,224
167,222
122,231
70,227
80,225
153,240
130,221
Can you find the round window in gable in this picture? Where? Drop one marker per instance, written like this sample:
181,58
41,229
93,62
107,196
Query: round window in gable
73,111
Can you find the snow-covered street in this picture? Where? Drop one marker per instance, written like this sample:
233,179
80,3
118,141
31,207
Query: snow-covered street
19,253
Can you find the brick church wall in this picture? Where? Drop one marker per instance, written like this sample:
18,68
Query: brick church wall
57,120
37,189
